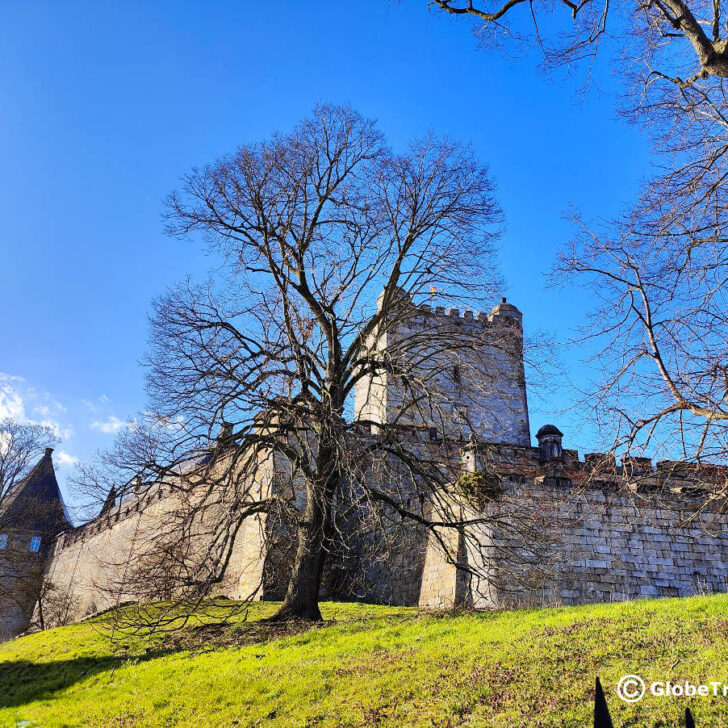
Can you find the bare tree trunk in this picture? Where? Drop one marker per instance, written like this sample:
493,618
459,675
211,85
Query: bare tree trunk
41,618
301,601
314,536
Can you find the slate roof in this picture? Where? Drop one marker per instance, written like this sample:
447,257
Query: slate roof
35,503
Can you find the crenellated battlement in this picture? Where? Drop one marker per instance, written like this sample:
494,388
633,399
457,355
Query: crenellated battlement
130,506
644,467
504,314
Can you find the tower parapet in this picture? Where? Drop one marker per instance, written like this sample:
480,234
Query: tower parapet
503,313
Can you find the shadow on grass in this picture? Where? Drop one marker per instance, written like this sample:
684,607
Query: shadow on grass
207,637
22,681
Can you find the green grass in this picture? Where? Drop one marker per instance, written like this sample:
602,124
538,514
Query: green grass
376,666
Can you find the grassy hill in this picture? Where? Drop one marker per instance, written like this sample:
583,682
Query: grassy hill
375,666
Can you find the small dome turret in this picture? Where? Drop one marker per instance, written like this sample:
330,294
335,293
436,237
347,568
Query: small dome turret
549,443
505,310
549,430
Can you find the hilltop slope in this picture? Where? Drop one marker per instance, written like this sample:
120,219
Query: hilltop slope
375,666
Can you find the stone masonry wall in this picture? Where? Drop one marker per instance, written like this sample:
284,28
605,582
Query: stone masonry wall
92,567
21,574
551,541
580,545
610,545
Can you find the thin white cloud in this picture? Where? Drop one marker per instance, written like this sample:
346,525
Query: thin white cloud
50,409
64,458
11,403
109,426
25,404
92,405
62,432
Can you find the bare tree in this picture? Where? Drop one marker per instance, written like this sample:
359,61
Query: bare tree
252,375
661,330
659,271
53,606
677,34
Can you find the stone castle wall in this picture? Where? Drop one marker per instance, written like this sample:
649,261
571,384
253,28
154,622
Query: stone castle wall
88,565
564,538
610,545
554,536
95,567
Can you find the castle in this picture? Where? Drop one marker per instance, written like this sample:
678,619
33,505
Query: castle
562,531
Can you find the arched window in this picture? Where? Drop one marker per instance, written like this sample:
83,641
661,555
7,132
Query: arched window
35,543
3,541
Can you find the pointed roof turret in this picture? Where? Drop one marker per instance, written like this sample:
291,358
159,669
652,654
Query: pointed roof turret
110,501
36,503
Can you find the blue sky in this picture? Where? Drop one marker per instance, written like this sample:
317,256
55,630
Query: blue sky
104,105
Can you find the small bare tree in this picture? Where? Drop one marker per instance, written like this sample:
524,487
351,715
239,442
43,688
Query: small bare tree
252,375
21,446
54,606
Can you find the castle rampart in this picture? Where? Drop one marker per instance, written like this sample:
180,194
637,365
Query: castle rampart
569,534
580,531
548,528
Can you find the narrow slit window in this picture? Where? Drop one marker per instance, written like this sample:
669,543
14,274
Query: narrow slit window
35,543
3,541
